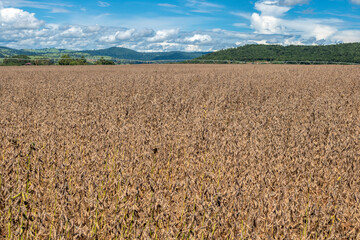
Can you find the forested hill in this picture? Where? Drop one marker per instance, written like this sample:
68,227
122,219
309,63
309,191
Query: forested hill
347,53
124,53
114,53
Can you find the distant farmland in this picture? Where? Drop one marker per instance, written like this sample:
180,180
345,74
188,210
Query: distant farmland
180,152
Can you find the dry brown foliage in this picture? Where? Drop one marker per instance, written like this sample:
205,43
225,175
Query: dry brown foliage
180,152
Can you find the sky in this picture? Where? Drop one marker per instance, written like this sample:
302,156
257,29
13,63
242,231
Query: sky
174,25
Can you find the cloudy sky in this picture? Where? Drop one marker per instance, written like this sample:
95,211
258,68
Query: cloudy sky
187,25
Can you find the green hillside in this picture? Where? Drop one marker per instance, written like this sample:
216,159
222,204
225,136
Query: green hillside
175,55
124,53
114,53
8,52
346,53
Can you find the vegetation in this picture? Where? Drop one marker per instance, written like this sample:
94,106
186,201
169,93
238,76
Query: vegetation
42,61
20,60
103,61
124,53
180,152
67,60
17,60
342,53
8,52
115,54
346,53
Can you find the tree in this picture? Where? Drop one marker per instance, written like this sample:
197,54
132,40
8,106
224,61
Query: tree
65,60
42,61
103,61
17,60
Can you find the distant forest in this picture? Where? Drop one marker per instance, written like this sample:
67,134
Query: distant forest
342,53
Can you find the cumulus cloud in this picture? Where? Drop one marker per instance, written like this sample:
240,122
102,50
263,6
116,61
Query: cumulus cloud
347,36
128,34
266,24
199,38
310,28
192,48
73,32
18,19
92,29
162,35
121,35
271,20
271,8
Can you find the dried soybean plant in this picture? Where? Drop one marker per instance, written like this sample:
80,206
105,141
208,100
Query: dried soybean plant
180,152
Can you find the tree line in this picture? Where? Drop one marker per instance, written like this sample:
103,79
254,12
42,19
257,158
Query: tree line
21,60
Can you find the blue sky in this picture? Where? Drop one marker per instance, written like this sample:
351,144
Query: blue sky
168,25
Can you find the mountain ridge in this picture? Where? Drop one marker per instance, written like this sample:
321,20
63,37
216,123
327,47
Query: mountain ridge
114,53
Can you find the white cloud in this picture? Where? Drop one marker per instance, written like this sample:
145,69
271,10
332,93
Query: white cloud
199,38
241,25
192,48
203,3
271,21
128,34
163,46
355,1
18,19
168,5
202,6
267,24
271,8
125,35
93,28
309,28
52,26
347,36
293,2
73,32
59,10
162,35
103,4
34,4
242,14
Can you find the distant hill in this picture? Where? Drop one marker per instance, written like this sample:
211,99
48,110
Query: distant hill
124,53
4,51
114,53
346,53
